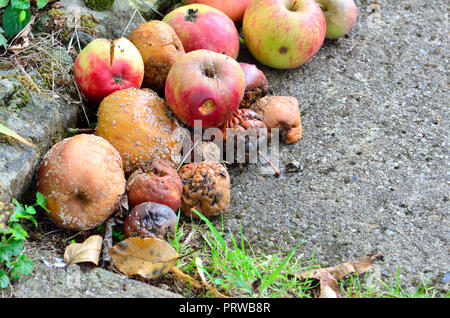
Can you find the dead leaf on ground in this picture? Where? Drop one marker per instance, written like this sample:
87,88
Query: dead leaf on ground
186,277
199,264
328,286
146,257
359,267
88,251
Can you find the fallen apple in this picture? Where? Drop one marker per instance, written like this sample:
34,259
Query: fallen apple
204,85
283,34
234,9
340,16
203,27
104,67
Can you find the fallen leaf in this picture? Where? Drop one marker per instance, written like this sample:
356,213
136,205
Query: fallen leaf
88,251
328,286
186,277
199,264
360,266
146,257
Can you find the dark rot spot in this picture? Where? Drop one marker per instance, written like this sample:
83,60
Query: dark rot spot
283,50
191,15
118,79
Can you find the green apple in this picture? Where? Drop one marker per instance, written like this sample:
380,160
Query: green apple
283,34
340,16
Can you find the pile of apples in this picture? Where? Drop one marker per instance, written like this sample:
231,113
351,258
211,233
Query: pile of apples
181,68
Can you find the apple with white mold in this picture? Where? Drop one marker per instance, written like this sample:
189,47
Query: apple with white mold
105,66
283,34
340,16
205,85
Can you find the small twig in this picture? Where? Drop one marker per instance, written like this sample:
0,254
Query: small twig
151,7
81,130
277,172
81,101
128,24
185,157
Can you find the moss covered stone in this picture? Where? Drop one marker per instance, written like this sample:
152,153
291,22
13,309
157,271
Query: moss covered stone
99,4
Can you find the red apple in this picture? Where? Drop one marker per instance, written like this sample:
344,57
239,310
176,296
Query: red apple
283,33
104,67
340,16
205,85
234,9
202,27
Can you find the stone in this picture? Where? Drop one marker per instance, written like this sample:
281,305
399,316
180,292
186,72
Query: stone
119,20
79,281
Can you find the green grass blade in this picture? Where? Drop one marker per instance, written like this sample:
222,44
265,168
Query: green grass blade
6,131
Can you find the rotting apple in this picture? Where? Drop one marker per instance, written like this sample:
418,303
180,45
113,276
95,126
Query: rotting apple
340,16
256,85
82,179
283,34
203,27
160,47
105,66
138,124
234,9
205,85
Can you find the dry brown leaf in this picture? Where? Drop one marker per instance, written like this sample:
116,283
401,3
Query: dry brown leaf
88,251
328,286
189,279
360,266
146,257
199,264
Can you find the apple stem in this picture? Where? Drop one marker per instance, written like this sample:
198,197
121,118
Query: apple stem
321,6
81,130
277,172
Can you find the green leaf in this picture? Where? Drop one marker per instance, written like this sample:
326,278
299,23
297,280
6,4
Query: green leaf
20,4
21,266
3,3
40,200
4,280
30,210
12,25
41,3
11,248
18,232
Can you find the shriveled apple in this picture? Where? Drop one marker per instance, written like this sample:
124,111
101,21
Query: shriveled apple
155,181
82,179
281,112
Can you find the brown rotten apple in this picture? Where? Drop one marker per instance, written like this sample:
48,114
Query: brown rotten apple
155,181
135,122
256,85
82,179
281,112
160,47
204,85
206,188
150,219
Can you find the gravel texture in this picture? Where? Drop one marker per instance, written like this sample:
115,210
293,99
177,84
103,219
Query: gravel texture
374,157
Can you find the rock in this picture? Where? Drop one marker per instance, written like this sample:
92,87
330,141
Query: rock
40,118
116,21
80,281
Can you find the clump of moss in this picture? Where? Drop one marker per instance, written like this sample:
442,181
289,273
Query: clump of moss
88,25
99,5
